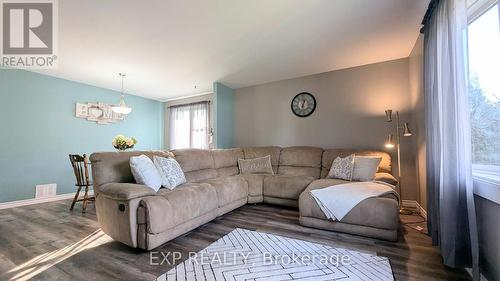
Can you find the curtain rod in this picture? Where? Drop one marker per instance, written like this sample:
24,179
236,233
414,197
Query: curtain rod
191,103
428,14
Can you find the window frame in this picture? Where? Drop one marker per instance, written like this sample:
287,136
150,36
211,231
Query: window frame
486,178
476,8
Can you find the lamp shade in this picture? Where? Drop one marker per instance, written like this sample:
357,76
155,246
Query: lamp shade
388,114
407,132
122,108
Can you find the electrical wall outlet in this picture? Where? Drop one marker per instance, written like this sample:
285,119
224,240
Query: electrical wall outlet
45,190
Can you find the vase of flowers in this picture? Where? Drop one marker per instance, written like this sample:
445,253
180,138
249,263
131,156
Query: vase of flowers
123,143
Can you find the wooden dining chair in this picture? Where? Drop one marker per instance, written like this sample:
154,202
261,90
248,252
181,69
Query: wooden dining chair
81,168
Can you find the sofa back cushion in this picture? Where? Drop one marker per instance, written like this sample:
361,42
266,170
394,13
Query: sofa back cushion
256,152
197,164
300,161
110,167
329,155
226,161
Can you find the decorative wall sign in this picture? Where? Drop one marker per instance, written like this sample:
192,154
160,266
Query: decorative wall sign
97,112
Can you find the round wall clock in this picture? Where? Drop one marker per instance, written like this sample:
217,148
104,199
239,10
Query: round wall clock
303,104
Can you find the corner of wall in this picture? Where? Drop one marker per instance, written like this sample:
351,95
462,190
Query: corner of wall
416,73
224,115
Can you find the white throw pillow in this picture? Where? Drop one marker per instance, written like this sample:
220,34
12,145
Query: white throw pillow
365,167
170,171
145,172
342,168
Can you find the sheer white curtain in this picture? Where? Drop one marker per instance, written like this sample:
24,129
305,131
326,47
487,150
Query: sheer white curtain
451,219
189,126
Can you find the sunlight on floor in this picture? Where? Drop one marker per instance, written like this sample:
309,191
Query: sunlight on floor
43,262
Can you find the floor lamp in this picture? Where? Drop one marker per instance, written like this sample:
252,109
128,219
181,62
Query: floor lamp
390,144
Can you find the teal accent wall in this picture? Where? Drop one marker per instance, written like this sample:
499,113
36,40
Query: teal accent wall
224,115
38,129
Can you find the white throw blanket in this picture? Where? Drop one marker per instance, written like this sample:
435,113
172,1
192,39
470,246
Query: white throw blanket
338,200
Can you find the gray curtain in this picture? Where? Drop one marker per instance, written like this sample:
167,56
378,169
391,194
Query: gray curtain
451,211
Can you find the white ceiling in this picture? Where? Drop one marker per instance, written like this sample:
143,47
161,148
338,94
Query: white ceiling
168,47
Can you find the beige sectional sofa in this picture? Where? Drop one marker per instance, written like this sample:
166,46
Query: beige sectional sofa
139,217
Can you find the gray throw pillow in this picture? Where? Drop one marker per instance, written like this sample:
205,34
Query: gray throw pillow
342,168
365,167
145,172
170,171
261,165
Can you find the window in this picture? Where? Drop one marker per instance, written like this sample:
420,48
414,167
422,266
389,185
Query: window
484,89
189,126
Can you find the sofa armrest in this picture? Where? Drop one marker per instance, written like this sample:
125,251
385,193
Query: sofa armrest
125,191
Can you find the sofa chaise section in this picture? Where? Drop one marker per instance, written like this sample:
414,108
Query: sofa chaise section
374,217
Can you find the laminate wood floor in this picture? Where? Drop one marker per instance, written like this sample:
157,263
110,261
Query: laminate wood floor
48,242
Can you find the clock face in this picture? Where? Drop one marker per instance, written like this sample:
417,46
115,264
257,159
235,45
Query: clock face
303,104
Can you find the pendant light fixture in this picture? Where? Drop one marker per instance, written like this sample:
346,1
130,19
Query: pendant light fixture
122,108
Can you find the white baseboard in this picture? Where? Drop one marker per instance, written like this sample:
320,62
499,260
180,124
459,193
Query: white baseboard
26,202
415,205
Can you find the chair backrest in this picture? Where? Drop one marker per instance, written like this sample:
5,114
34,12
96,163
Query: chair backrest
81,169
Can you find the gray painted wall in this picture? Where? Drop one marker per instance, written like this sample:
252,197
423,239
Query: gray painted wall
349,113
488,224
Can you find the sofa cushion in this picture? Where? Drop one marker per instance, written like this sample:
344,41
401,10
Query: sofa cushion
285,186
227,171
255,184
194,159
174,207
300,161
330,154
125,191
226,161
301,156
229,189
197,164
226,157
255,152
200,175
380,212
299,171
